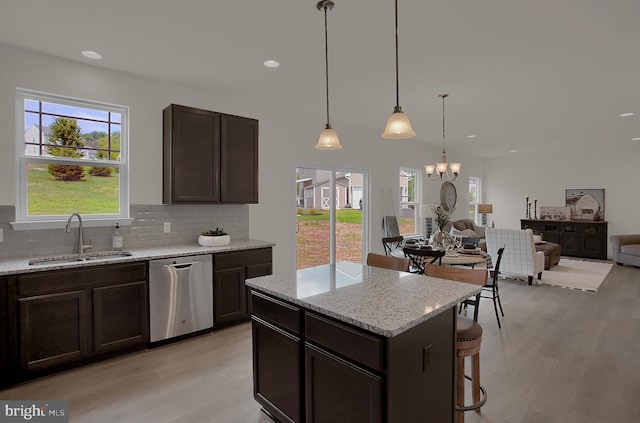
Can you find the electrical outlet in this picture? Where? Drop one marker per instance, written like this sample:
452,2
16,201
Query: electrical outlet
167,227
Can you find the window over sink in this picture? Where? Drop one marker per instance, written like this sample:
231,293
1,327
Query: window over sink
73,158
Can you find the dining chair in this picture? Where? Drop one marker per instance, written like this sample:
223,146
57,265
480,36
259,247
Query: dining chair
388,262
468,338
392,243
420,257
491,288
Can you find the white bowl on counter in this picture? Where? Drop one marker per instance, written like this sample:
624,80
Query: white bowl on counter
213,241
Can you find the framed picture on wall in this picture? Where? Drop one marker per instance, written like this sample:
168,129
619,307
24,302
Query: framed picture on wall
585,204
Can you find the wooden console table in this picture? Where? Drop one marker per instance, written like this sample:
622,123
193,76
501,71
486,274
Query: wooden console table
578,238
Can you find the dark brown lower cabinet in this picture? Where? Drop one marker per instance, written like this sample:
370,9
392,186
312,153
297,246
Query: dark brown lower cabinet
4,334
276,366
53,329
323,370
120,316
231,297
337,390
63,318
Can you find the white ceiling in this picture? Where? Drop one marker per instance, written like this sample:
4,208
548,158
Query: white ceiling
536,75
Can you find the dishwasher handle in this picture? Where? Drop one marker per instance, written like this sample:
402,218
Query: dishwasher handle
181,266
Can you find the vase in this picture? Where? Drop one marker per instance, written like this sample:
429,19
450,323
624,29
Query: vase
213,241
441,240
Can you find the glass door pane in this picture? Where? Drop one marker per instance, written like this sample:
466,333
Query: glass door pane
329,220
349,218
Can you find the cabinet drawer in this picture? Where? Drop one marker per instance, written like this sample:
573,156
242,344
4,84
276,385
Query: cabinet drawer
361,347
65,280
241,258
277,312
262,269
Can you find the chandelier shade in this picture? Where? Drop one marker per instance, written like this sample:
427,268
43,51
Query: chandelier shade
328,139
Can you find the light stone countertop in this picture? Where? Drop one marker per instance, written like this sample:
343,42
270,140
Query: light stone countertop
385,302
21,265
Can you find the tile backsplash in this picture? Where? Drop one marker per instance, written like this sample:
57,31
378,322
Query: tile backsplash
146,230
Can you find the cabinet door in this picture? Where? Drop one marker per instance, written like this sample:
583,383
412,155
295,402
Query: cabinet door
53,329
4,330
239,160
551,232
277,382
594,241
572,240
229,295
336,390
191,155
120,316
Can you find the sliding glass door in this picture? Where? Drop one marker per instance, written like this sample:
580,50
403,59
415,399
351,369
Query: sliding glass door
331,216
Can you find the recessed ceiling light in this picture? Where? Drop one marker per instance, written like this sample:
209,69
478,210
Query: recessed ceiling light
513,151
625,114
92,54
635,139
471,136
271,63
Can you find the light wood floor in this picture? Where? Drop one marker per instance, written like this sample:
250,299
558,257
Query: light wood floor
561,356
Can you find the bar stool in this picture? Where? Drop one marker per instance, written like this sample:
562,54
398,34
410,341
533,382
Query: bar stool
468,338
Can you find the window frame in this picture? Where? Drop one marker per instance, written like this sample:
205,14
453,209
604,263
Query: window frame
417,195
26,222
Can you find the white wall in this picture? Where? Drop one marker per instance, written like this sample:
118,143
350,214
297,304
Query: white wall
286,141
546,176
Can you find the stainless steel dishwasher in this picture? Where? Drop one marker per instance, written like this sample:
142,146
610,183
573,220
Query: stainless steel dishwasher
180,296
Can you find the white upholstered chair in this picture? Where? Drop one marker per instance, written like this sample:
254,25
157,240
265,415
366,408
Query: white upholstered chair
520,256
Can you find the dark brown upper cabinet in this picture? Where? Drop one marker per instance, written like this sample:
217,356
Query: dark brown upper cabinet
209,157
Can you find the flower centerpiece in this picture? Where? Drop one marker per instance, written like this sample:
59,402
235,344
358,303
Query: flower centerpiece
441,240
214,238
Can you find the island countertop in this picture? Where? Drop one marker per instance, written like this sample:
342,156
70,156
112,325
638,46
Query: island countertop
385,302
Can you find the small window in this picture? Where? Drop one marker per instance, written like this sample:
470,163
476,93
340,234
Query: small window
73,159
475,185
409,201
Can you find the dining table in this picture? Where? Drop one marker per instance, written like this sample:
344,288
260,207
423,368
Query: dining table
453,257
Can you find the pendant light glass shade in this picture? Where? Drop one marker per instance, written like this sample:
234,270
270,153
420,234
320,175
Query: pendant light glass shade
398,125
328,139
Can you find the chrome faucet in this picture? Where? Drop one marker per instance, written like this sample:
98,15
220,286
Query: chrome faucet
81,245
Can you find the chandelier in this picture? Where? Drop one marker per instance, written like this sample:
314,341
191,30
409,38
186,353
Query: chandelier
451,170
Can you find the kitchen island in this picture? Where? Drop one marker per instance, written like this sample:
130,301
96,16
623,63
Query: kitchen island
353,343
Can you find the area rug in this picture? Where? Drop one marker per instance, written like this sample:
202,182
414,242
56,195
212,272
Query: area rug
577,274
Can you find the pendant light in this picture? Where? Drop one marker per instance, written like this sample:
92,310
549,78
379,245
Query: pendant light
328,139
398,125
451,170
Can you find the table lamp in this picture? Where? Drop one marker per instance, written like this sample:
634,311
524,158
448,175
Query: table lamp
485,209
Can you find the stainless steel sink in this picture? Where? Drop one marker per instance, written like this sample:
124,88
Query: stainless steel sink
97,255
74,258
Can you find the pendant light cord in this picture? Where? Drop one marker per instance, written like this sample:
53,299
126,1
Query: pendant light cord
397,77
326,60
443,96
